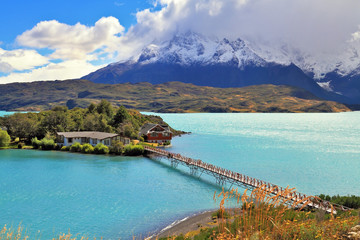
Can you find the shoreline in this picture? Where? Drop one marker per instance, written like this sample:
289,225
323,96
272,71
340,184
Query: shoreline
186,225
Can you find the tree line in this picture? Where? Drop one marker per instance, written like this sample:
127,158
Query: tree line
102,117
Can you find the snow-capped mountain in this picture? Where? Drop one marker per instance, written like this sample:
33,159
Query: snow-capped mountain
206,61
192,48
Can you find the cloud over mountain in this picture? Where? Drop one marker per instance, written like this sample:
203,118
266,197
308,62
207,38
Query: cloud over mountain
317,35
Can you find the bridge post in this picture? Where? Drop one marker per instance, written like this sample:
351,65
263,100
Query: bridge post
174,163
193,170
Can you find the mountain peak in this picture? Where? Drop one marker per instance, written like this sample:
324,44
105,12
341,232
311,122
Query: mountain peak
193,48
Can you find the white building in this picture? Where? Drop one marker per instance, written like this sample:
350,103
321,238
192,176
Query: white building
93,138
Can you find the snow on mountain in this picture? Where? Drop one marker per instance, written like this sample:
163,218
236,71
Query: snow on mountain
344,62
187,49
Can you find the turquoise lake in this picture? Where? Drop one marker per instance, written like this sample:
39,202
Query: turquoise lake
3,113
123,197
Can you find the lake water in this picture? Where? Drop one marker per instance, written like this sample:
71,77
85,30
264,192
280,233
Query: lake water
4,113
120,197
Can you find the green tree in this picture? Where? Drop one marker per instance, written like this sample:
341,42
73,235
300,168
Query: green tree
121,116
56,121
92,108
104,107
4,138
22,125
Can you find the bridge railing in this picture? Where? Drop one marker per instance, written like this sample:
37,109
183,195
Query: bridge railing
250,181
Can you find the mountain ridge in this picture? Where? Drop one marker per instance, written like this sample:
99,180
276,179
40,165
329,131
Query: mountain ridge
193,58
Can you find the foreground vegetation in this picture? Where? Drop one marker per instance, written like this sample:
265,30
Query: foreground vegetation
258,216
102,117
167,97
266,217
348,201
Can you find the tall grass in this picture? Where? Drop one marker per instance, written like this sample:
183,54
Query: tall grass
263,216
257,215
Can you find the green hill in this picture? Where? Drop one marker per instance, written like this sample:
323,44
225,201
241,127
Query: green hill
167,97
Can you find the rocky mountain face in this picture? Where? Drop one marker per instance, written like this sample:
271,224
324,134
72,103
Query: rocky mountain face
204,61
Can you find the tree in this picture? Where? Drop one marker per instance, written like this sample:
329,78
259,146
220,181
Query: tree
104,107
120,116
22,125
92,108
4,138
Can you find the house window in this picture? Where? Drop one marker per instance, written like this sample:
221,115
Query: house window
166,134
94,141
107,142
70,140
154,134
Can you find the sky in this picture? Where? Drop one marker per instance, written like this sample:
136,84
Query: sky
57,40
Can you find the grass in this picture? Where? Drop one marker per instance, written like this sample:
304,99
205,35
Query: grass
261,216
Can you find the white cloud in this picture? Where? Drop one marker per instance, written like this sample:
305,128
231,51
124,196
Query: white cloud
65,70
20,59
73,42
355,36
318,26
5,67
322,28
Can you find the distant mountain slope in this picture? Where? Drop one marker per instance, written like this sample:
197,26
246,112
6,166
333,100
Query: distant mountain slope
167,97
193,58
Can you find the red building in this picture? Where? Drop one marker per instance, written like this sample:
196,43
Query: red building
155,133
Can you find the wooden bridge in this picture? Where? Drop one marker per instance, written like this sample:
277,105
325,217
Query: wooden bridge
222,176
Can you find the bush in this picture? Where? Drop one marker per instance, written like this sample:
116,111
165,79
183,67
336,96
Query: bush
167,143
87,148
64,148
348,201
76,147
117,148
4,138
36,143
133,150
101,149
21,145
47,144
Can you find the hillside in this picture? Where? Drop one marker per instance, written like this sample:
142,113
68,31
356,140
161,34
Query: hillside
166,97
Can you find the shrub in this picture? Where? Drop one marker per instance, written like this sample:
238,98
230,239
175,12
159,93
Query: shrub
65,148
87,148
76,147
36,143
47,144
21,145
117,147
4,138
101,149
133,150
167,143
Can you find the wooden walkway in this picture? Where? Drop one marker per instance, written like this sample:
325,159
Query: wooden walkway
234,178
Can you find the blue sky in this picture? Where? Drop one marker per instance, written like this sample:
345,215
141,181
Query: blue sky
17,16
63,39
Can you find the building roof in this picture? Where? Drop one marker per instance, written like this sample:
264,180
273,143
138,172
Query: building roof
97,135
148,126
